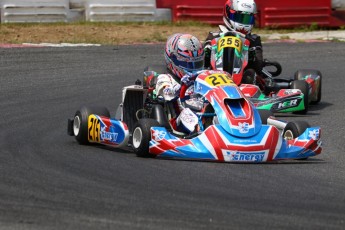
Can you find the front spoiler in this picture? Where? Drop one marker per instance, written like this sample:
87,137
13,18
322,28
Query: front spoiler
217,145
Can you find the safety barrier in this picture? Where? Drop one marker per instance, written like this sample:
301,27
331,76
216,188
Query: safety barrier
294,13
77,4
271,13
195,10
208,14
120,10
291,16
34,10
338,4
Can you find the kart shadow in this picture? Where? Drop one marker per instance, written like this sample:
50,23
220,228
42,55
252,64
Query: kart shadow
299,161
128,150
125,150
296,161
320,106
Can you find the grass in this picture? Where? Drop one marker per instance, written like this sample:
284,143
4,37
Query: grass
113,33
97,32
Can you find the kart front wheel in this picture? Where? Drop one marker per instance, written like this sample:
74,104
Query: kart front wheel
80,121
264,115
141,137
294,129
304,87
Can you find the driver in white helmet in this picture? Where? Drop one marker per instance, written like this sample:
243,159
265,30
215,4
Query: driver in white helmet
184,57
238,17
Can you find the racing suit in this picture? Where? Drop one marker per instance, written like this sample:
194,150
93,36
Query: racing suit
167,90
255,56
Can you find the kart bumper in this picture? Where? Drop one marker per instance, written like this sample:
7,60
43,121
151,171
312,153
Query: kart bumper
215,144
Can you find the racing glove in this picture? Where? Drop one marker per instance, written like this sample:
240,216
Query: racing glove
189,78
172,90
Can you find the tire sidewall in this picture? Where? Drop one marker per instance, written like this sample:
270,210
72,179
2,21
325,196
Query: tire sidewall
143,126
300,74
83,113
297,128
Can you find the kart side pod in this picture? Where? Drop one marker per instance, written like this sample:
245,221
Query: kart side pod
94,125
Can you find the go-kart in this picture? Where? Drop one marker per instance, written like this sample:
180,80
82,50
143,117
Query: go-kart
230,128
230,53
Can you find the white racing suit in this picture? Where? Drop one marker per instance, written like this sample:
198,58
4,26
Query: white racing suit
180,115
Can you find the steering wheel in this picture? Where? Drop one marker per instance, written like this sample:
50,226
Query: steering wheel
276,65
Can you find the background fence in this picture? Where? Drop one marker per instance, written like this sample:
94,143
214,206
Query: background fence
273,13
34,10
120,10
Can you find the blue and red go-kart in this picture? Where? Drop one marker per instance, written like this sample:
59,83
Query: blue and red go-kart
230,128
268,92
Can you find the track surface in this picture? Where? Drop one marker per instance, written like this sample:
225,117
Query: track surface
48,181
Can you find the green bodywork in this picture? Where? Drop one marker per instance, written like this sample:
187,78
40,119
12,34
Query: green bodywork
277,104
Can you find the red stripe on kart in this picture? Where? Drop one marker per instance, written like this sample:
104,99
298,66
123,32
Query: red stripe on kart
274,137
214,138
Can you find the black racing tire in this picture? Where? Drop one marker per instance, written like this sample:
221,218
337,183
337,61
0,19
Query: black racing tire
294,129
304,87
80,121
248,76
141,137
319,92
300,74
264,115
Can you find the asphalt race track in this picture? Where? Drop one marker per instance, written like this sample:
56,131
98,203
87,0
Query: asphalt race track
48,181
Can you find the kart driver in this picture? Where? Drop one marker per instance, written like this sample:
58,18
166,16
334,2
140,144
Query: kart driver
238,17
184,57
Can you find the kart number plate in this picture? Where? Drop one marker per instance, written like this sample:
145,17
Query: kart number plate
230,42
219,79
94,128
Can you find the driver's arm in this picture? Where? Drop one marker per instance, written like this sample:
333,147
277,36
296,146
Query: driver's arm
256,59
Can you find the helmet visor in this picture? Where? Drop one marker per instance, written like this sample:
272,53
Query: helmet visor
241,17
189,66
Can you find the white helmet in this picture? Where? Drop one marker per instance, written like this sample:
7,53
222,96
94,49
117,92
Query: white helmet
184,53
239,15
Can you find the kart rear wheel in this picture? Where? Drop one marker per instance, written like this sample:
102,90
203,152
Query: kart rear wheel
80,121
300,75
304,87
141,137
294,129
318,98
